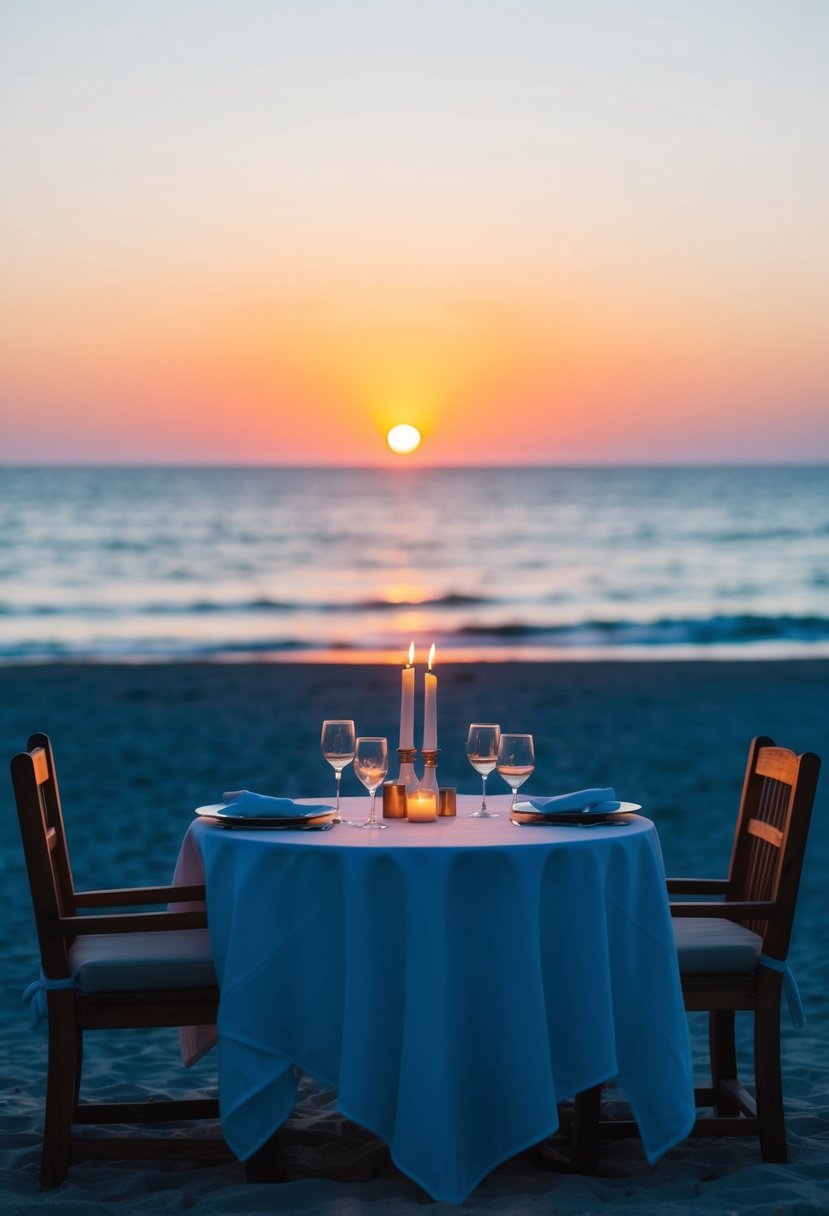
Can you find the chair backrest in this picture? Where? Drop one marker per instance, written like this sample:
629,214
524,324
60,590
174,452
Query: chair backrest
770,840
44,846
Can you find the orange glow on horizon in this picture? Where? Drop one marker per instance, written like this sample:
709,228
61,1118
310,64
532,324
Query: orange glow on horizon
405,593
154,368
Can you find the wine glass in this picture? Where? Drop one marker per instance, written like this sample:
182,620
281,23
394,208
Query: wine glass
516,760
482,753
371,763
337,742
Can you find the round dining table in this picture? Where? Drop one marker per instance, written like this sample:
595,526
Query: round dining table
453,981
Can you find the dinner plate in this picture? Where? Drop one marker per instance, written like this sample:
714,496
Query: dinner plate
526,814
317,818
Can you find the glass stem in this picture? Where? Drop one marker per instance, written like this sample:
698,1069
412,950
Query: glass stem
371,817
483,791
338,773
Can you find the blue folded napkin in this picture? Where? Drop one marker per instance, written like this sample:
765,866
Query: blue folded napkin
261,806
580,800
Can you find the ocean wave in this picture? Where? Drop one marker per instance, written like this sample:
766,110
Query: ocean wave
452,599
256,604
695,631
748,634
145,650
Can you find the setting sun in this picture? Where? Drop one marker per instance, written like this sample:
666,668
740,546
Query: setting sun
403,438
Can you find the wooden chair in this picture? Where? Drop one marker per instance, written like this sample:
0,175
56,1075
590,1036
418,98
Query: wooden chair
732,956
106,970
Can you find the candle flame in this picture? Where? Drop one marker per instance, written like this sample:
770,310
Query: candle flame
411,653
431,655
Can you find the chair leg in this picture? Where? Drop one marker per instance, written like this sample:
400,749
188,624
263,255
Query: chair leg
723,1053
264,1165
78,1068
767,1074
61,1082
585,1152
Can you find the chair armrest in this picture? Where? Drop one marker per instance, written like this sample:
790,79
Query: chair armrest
130,922
732,910
127,896
697,886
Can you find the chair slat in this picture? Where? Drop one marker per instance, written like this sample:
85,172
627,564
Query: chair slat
778,763
774,802
150,1111
136,896
40,764
765,831
139,1148
129,922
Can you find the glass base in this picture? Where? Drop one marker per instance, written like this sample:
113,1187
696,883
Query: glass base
368,824
483,813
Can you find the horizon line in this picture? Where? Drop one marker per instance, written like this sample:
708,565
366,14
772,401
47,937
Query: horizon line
403,463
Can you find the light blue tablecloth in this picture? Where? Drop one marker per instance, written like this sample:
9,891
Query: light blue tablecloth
453,981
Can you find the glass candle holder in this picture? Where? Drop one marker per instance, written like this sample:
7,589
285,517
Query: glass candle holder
422,806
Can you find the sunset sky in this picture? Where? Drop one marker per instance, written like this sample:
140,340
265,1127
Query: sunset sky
238,231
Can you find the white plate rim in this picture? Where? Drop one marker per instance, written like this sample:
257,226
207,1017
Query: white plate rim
591,812
221,812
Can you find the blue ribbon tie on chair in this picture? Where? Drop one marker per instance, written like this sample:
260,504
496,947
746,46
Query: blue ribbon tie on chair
35,994
789,987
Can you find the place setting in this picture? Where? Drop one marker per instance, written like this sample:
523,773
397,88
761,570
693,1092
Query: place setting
245,809
582,809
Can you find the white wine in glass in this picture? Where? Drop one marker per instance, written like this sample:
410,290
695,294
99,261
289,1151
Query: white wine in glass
516,761
337,742
482,753
371,763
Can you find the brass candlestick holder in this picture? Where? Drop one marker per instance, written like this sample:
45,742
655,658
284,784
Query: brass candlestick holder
407,775
429,780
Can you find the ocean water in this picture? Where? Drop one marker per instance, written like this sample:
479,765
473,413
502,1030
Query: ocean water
154,564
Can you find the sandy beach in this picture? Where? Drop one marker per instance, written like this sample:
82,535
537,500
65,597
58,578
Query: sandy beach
139,746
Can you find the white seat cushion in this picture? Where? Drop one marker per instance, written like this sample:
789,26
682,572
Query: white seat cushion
121,962
710,946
